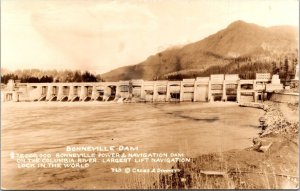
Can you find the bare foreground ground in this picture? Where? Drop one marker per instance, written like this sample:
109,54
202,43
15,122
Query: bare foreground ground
250,168
214,134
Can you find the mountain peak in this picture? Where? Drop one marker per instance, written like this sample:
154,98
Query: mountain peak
239,39
239,23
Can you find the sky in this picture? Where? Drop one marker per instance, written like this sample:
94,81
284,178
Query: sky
101,35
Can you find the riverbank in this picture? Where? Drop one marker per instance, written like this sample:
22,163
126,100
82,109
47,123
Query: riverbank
271,163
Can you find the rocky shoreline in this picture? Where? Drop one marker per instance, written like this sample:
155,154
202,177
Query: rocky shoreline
271,163
277,122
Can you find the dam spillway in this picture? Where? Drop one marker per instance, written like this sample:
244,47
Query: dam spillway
221,87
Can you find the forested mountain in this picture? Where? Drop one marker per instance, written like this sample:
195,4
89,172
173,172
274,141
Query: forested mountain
242,48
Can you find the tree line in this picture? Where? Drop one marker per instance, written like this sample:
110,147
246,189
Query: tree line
246,70
44,76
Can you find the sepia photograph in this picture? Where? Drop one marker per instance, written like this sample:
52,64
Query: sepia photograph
149,94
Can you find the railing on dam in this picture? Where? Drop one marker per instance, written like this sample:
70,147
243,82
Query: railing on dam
226,87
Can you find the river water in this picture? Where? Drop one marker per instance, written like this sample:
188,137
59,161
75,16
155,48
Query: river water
189,128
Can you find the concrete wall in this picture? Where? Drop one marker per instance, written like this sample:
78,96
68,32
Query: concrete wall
200,89
285,97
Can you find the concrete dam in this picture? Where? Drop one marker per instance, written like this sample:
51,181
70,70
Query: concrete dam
217,87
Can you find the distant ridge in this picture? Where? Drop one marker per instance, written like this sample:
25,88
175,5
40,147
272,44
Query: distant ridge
238,41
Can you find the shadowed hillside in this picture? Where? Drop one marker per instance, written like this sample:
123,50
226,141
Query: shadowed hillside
234,49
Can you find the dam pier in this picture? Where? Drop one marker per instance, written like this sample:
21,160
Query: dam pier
217,87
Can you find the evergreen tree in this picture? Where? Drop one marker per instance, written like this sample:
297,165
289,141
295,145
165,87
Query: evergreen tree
286,70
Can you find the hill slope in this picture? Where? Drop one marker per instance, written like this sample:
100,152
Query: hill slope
239,42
